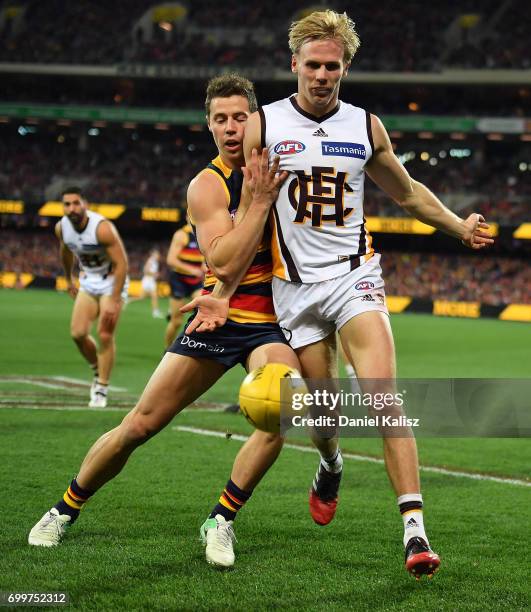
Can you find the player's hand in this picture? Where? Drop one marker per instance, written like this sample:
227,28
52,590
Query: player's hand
212,312
476,235
72,289
109,313
198,273
262,181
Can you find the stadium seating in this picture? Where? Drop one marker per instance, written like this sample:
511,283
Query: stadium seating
409,38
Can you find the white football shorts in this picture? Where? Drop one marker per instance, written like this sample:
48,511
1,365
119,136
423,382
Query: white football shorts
98,285
309,312
149,284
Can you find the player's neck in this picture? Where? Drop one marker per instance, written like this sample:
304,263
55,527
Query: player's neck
234,164
311,109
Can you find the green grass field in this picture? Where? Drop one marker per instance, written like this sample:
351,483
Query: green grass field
136,544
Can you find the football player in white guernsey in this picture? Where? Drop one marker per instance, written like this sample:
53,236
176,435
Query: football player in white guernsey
102,261
149,282
326,275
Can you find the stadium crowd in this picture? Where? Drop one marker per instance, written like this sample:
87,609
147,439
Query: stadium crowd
154,168
40,253
490,280
407,37
128,169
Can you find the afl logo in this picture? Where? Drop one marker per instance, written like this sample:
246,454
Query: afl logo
288,147
364,286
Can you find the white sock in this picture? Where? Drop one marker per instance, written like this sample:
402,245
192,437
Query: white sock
333,464
413,519
101,388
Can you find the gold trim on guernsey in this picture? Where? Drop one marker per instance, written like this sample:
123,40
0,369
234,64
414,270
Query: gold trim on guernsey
214,173
249,316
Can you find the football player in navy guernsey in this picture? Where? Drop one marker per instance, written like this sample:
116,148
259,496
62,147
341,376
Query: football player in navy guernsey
185,262
102,260
326,274
191,365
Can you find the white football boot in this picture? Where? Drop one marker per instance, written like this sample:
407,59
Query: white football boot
93,386
49,531
99,398
218,537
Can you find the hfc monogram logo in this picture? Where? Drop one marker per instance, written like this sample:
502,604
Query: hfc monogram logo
327,190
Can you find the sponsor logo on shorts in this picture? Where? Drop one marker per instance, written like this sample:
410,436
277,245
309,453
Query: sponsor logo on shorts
289,147
364,286
344,149
194,344
368,298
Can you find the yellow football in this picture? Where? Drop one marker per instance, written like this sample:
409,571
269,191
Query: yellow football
261,400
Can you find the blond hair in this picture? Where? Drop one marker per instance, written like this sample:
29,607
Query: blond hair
323,25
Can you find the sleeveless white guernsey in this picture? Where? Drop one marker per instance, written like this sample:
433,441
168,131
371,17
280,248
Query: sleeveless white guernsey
92,256
318,224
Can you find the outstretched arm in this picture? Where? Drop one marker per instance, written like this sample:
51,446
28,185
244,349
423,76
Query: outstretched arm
389,174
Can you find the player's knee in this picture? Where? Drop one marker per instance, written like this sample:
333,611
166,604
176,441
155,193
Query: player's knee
78,335
270,439
139,428
176,318
105,336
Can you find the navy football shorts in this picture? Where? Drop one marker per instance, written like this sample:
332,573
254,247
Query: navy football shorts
179,289
229,344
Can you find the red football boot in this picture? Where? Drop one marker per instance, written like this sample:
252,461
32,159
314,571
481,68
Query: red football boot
420,558
324,496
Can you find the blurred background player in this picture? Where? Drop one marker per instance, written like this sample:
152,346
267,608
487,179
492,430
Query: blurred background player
186,275
250,337
102,260
149,282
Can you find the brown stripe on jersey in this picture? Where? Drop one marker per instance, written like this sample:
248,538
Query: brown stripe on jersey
369,131
292,270
362,248
354,262
262,127
315,118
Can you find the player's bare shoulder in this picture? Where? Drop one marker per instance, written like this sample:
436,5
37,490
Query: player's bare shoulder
57,231
205,184
106,233
206,192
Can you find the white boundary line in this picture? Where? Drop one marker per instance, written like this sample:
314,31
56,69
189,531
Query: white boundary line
31,380
36,383
79,381
25,404
366,458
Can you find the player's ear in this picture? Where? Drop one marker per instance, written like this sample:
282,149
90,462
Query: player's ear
208,123
294,63
345,69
